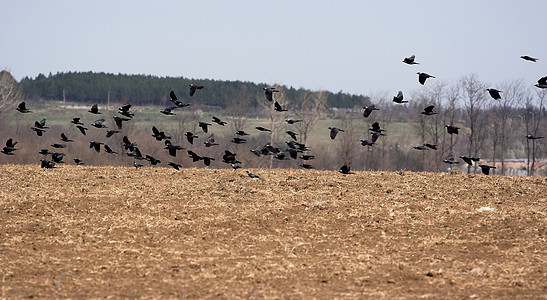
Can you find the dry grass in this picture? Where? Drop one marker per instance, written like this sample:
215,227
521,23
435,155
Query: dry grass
82,232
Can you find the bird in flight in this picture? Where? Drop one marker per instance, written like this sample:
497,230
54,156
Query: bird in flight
204,126
292,134
175,165
399,98
428,111
82,129
107,149
65,139
533,137
495,94
260,128
210,141
375,127
22,108
529,58
159,135
119,121
486,169
172,148
241,132
269,92
291,121
98,124
78,161
410,60
451,129
95,145
422,77
277,107
76,121
218,121
94,109
194,88
368,110
167,111
124,111
345,169
177,102
334,131
542,83
110,133
190,137
366,143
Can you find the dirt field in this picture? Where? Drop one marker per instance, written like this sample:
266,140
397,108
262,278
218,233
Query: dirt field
94,232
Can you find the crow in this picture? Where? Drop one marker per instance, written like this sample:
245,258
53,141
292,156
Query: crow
119,121
38,131
306,166
135,152
136,165
193,88
204,126
207,160
194,156
241,132
529,58
11,144
428,111
219,121
375,136
230,157
256,152
127,144
167,111
542,83
82,129
260,128
41,124
467,159
177,102
78,161
22,108
110,133
175,165
375,127
172,148
307,157
252,175
107,149
58,146
153,161
292,134
237,140
94,109
98,124
235,167
45,152
190,137
450,160
95,145
345,169
268,91
159,135
281,156
423,76
47,164
57,157
431,146
124,111
334,131
399,98
410,60
210,141
8,151
367,143
76,121
495,94
533,137
451,129
486,169
65,139
291,121
368,110
293,153
277,107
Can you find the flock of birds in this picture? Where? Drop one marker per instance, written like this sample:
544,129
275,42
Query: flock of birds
295,149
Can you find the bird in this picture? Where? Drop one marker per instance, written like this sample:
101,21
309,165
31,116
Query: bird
175,165
10,147
291,121
252,175
58,146
399,98
45,152
190,137
410,60
136,165
431,146
124,111
107,149
307,157
193,88
345,169
8,151
98,124
237,140
229,157
76,121
367,143
172,148
277,107
533,137
119,121
375,136
542,83
368,110
306,166
207,160
110,133
486,169
57,157
529,58
260,128
177,102
153,161
292,134
241,133
159,135
219,121
47,164
420,147
334,131
194,156
82,129
95,145
65,139
450,160
495,94
428,111
467,159
451,129
22,108
375,127
167,111
235,167
256,152
268,91
293,153
422,77
127,144
94,109
210,141
281,156
135,152
78,161
204,126
38,131
40,124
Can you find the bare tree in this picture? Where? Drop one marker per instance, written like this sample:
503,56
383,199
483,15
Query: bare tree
533,118
309,110
10,90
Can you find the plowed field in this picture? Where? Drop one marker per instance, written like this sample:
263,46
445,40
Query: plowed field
95,232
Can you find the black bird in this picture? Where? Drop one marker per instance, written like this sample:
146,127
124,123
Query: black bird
127,144
367,143
291,121
230,157
153,161
58,146
292,134
124,111
297,145
269,149
268,91
281,156
495,94
345,169
177,102
428,111
420,147
252,175
210,141
422,77
136,165
135,152
57,157
219,121
241,132
194,156
256,152
107,149
47,164
334,131
172,148
293,153
542,83
451,129
277,107
45,152
110,133
82,129
190,137
307,157
375,127
410,60
94,109
306,166
76,121
159,135
41,124
529,58
175,165
533,137
431,146
235,167
450,160
368,110
167,111
204,126
78,161
486,169
207,160
467,159
237,140
260,128
98,124
95,145
10,143
399,98
119,121
8,151
375,136
193,88
65,139
22,108
38,131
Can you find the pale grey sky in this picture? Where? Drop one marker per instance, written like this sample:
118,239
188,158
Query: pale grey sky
353,46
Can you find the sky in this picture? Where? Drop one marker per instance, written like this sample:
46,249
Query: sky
351,46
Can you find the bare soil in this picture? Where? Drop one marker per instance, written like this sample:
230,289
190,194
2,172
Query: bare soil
95,232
